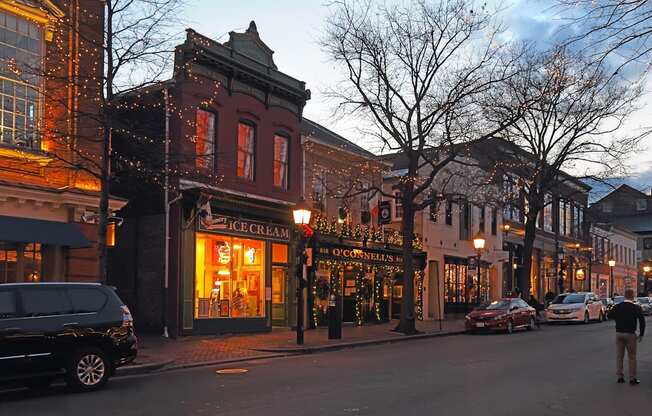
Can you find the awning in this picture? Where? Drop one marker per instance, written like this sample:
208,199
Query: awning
27,230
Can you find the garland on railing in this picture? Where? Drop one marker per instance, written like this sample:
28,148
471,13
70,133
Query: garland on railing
361,232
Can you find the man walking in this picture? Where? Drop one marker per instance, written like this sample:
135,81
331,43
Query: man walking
626,314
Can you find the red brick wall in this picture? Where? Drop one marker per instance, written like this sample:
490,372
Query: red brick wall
188,95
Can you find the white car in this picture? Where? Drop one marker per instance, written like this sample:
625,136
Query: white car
576,307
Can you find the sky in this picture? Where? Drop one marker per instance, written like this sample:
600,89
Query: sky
292,28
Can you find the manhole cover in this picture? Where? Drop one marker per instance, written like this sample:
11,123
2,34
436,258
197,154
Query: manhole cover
232,371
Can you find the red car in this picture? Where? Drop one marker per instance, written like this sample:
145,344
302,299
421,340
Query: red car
505,314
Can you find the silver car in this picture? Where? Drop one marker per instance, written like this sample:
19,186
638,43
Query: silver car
644,303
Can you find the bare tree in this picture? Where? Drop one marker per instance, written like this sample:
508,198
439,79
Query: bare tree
123,46
413,73
572,122
618,29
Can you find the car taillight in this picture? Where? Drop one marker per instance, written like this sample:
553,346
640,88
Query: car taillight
127,319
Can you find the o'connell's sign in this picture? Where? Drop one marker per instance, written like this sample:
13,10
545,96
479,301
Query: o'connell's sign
231,225
359,254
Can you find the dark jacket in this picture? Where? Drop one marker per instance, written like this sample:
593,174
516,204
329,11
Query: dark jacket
626,314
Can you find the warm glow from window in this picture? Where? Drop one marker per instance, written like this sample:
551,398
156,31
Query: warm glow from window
110,234
279,253
229,282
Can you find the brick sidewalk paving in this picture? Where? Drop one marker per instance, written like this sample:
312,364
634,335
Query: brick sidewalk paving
206,349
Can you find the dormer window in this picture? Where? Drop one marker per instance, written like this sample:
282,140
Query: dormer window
641,204
21,56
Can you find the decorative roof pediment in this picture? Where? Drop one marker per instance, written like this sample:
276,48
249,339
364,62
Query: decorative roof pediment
250,44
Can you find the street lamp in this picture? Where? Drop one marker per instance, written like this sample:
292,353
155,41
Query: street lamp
478,243
301,214
646,271
612,264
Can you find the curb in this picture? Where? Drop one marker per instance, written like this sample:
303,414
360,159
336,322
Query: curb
165,366
354,344
130,370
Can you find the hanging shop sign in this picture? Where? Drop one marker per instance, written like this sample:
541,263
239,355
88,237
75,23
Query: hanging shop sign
363,255
384,213
239,226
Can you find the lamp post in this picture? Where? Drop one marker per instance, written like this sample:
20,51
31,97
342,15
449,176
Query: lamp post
646,270
301,215
612,264
478,242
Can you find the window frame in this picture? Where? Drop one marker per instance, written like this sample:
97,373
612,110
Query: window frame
287,139
398,203
448,213
212,160
34,143
254,154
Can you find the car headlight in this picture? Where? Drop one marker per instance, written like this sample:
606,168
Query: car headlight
467,317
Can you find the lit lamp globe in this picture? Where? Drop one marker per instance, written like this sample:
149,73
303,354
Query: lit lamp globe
647,269
301,214
612,263
479,241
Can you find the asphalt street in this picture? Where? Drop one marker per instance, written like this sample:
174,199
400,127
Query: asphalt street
560,370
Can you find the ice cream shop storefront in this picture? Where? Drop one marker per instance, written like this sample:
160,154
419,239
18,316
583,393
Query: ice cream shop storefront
240,274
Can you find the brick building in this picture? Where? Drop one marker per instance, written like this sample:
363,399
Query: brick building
48,199
228,125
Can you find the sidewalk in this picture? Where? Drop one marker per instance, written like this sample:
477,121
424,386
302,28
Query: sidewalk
156,353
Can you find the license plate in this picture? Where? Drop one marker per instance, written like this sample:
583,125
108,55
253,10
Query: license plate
479,325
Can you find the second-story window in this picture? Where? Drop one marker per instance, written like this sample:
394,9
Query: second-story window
281,145
246,151
204,139
482,218
319,192
21,54
547,214
398,205
449,212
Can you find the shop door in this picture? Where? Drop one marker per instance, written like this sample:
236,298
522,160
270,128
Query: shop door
279,311
397,300
348,306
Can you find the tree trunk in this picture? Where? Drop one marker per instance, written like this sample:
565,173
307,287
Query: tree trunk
406,324
528,248
102,252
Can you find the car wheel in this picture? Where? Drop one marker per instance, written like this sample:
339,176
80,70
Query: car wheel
39,383
586,318
510,327
532,324
88,370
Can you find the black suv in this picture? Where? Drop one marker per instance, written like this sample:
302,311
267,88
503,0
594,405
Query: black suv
81,331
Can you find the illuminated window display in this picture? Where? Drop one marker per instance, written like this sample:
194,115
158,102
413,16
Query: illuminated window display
229,277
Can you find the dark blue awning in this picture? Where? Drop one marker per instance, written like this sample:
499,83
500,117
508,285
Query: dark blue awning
27,230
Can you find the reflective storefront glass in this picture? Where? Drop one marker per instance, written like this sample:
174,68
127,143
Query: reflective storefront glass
229,277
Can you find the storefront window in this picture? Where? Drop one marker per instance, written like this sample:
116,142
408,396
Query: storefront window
32,259
20,262
8,262
229,277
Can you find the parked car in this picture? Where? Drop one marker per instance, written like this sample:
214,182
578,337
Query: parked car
81,332
577,307
644,303
614,301
505,314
